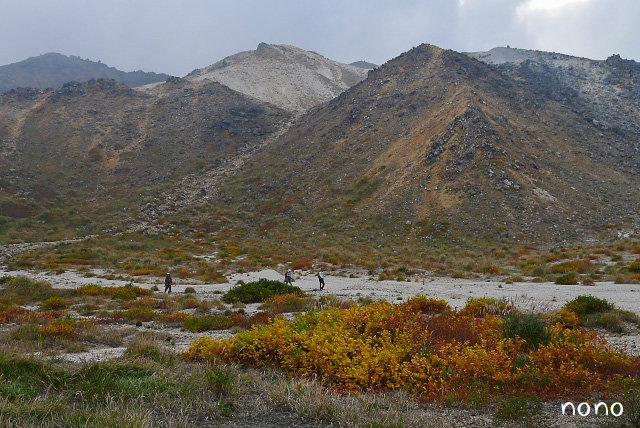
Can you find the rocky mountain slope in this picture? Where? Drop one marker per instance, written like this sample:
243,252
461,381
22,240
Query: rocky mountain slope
432,145
605,92
435,143
52,70
100,147
286,76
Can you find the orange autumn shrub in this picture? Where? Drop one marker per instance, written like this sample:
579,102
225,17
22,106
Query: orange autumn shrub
12,314
61,328
175,317
447,356
426,305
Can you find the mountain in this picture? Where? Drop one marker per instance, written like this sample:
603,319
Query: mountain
286,76
95,153
432,147
437,144
364,64
52,70
605,92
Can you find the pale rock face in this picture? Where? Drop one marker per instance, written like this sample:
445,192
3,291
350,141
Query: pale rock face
283,75
605,90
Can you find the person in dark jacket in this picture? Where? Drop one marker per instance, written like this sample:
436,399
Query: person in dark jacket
168,282
288,277
321,279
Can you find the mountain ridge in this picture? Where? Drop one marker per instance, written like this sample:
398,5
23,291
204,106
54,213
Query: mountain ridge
52,70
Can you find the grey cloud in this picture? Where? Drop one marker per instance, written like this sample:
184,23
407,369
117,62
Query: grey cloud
176,37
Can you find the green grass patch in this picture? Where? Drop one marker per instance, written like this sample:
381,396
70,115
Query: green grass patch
208,322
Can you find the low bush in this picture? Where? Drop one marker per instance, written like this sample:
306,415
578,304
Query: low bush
427,305
585,305
190,290
11,314
565,318
124,293
242,321
530,327
259,291
576,266
176,317
67,329
53,303
570,278
208,322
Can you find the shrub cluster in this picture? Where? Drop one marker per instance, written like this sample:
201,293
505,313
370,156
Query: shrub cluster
585,305
445,356
259,291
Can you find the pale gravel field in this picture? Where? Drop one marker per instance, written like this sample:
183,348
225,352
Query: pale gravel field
544,295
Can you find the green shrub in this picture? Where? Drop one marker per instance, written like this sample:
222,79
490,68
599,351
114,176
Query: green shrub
124,293
190,290
569,279
584,305
259,291
530,327
635,266
53,303
208,322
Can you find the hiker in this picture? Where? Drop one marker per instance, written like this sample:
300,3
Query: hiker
167,283
288,277
321,279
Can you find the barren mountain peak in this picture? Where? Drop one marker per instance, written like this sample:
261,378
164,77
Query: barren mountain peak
283,75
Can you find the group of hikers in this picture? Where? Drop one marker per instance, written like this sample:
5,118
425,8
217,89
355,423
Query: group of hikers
288,278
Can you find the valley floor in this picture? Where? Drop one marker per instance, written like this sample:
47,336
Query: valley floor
302,406
539,297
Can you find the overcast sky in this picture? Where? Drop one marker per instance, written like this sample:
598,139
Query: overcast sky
180,35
